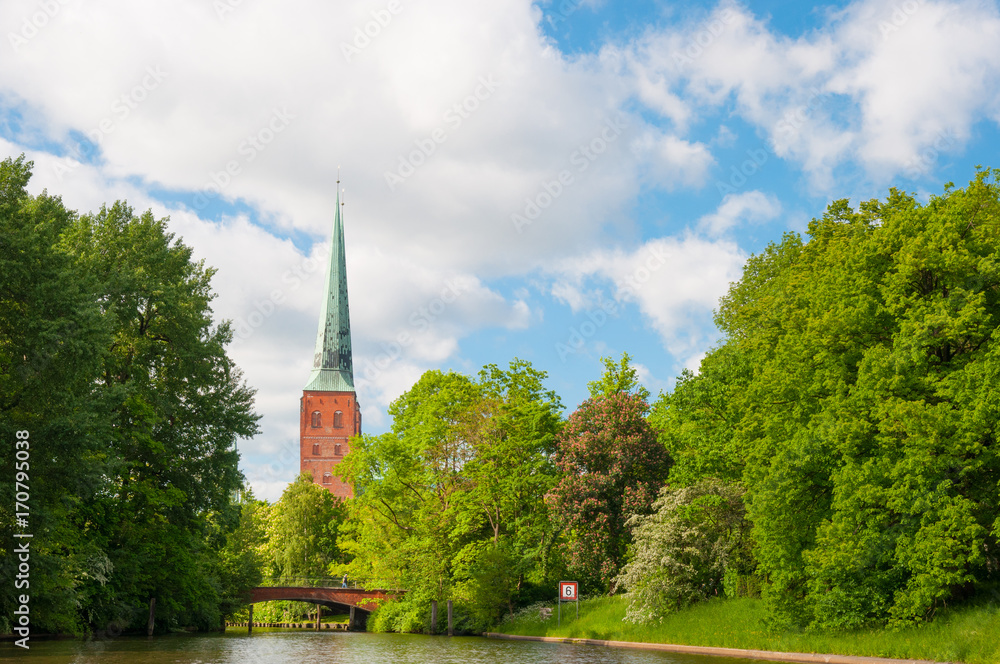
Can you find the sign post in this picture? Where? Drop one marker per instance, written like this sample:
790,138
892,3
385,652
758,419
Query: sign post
568,592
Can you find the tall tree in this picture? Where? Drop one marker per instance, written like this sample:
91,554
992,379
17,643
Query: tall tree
52,341
304,528
110,361
860,409
612,467
174,406
406,483
450,502
511,432
618,377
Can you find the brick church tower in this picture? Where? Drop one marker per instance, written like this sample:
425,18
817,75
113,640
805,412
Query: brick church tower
329,413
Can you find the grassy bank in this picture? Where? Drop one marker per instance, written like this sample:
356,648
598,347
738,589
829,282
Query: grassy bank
970,635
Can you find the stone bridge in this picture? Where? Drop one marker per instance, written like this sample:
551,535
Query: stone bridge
324,592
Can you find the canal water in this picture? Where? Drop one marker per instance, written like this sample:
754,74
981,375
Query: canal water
303,647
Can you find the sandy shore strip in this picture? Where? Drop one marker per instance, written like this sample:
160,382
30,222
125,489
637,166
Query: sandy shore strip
717,652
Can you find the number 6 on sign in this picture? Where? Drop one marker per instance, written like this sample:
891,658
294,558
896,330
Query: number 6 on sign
568,593
567,590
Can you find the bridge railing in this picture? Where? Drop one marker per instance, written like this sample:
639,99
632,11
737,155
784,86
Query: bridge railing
307,582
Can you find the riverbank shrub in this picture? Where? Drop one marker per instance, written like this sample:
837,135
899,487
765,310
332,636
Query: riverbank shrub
683,550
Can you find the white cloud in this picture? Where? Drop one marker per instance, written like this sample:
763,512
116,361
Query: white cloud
735,209
649,381
886,85
670,161
263,105
675,282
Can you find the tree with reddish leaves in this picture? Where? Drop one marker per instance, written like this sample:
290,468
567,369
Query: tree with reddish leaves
612,467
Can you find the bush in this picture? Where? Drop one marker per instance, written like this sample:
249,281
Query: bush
682,552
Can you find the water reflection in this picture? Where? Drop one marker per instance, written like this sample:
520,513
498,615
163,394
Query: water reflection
281,647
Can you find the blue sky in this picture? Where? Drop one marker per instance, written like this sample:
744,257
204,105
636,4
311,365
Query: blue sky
556,181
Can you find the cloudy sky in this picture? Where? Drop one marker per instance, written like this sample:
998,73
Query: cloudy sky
557,180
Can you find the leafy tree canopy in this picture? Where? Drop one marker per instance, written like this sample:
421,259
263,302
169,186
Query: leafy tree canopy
855,398
450,502
611,467
618,377
110,358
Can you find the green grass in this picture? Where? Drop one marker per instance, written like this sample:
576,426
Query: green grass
970,635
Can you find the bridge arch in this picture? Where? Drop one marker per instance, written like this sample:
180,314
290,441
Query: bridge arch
359,602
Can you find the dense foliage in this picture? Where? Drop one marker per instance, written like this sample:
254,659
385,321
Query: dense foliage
611,467
855,397
110,360
450,502
837,452
302,530
684,549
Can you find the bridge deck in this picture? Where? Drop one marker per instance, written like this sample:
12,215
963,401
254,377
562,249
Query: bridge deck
366,600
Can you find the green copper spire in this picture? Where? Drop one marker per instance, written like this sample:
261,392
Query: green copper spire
333,370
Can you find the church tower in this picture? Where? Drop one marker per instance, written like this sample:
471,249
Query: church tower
329,413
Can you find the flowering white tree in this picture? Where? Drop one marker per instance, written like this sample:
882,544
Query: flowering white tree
681,551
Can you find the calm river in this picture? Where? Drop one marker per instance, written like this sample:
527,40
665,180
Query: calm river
301,647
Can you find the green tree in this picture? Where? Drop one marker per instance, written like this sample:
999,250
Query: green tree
52,340
243,557
683,551
173,406
855,397
110,360
449,503
612,467
511,434
304,529
620,377
698,422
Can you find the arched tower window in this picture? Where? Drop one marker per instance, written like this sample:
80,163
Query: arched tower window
316,449
336,449
317,419
338,419
327,477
